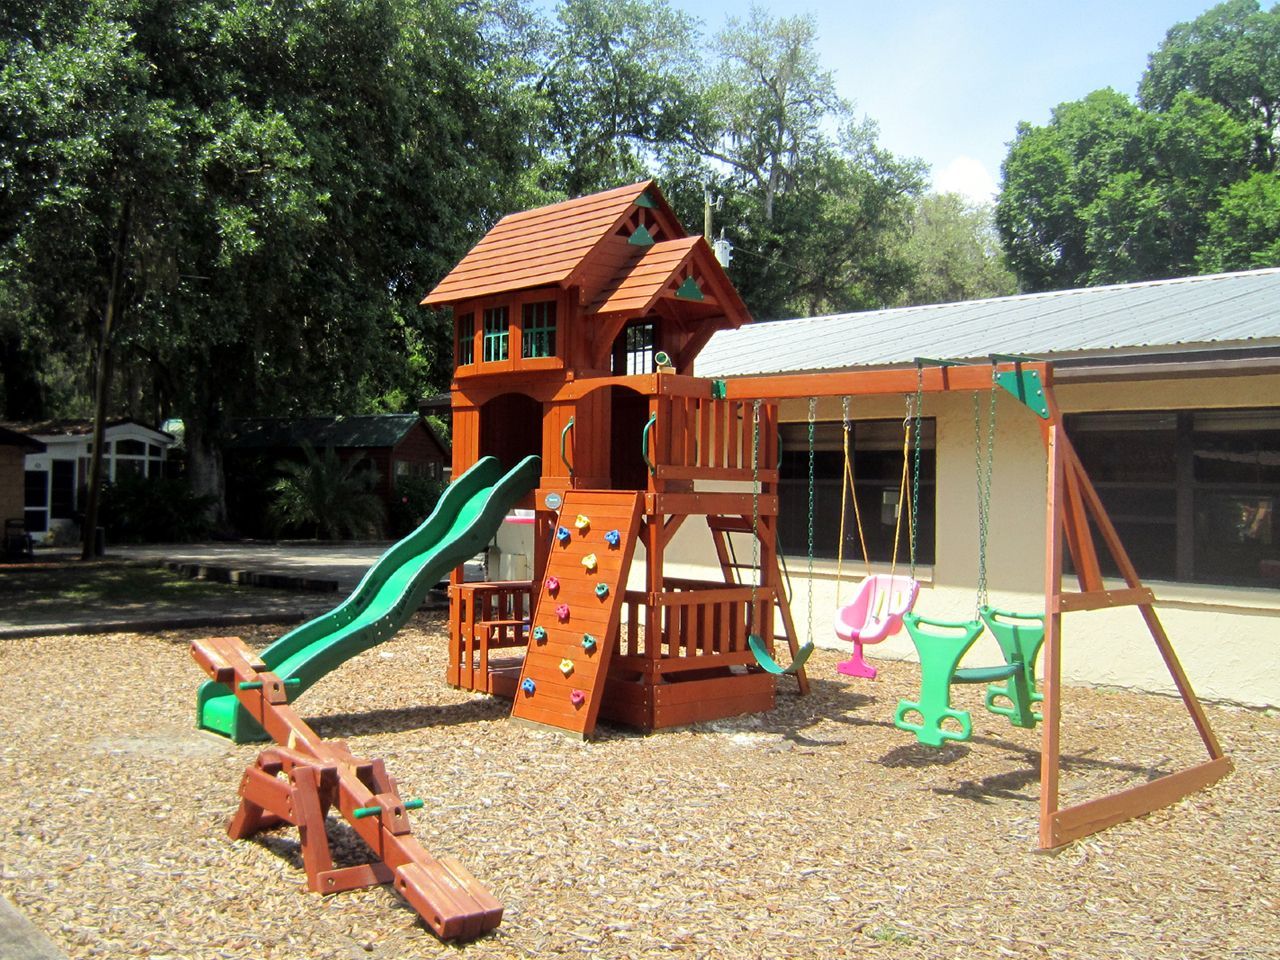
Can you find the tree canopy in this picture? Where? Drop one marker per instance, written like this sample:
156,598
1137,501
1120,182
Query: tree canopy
1113,190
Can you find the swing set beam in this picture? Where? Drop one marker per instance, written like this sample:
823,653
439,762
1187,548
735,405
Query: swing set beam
1073,511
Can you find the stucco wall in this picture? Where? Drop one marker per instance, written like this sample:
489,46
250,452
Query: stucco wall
1226,637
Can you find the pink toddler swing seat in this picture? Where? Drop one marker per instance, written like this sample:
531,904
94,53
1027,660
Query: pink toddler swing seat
875,613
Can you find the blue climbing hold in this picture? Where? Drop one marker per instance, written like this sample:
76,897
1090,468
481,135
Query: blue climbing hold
588,642
613,538
562,534
602,590
539,634
528,686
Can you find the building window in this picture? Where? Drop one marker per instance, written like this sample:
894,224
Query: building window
496,334
133,459
466,339
633,350
36,506
876,449
1192,494
538,330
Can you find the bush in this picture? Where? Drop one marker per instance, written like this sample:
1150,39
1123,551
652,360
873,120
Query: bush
415,498
154,510
327,497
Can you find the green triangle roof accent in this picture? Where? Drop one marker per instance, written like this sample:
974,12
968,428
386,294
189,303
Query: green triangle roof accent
641,238
644,200
689,290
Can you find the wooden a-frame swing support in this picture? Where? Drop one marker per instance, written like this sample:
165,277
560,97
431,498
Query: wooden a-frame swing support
1071,504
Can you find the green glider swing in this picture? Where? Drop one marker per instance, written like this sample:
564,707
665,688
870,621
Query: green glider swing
758,647
941,644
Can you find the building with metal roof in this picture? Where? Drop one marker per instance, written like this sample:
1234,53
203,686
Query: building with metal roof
1230,317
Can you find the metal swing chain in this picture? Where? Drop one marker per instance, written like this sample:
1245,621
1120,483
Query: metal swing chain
755,511
813,405
915,480
984,473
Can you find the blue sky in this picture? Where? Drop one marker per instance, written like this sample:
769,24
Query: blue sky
948,81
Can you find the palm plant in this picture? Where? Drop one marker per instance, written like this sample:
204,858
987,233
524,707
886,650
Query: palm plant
332,498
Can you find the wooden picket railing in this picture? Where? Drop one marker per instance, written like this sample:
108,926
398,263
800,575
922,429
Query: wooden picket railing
486,617
699,438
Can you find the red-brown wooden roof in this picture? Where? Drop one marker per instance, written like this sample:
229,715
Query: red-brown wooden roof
657,273
540,247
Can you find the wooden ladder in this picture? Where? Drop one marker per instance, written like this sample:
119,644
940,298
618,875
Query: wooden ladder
730,568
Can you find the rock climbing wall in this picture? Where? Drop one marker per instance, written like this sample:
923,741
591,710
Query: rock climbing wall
576,613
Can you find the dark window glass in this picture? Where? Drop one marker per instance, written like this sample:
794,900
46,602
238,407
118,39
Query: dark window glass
1192,494
876,451
538,330
36,484
466,339
62,502
131,448
496,334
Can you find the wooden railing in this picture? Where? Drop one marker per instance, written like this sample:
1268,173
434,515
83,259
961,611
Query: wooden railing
693,625
485,617
698,438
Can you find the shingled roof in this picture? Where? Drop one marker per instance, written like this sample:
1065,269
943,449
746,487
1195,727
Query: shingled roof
545,246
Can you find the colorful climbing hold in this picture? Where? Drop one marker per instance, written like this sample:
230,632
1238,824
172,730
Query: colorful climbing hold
540,634
588,642
553,585
566,666
562,611
590,562
562,534
528,686
602,590
612,538
577,698
583,523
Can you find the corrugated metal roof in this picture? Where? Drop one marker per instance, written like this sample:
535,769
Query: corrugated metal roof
536,248
1160,315
380,430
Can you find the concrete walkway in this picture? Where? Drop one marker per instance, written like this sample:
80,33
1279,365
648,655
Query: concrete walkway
21,940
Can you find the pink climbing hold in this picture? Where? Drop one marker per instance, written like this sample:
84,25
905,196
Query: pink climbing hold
553,586
562,611
577,698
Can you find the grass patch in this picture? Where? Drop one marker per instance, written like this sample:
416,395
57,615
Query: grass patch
86,586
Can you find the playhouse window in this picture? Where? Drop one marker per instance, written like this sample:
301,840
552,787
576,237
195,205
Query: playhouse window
876,448
466,339
496,334
633,350
538,329
1193,494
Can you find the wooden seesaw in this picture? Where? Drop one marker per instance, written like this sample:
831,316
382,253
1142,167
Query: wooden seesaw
304,776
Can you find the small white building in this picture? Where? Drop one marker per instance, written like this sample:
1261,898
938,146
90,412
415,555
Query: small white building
1171,391
56,480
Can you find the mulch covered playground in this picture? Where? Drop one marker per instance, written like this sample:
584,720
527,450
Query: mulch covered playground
786,805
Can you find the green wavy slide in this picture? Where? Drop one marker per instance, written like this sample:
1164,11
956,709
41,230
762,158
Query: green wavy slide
462,524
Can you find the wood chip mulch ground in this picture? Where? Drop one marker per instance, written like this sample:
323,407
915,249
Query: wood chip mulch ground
815,831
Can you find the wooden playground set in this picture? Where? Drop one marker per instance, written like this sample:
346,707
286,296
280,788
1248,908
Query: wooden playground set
577,327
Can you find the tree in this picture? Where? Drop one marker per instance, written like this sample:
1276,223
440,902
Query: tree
1226,55
1111,190
618,88
1244,231
255,232
954,252
812,203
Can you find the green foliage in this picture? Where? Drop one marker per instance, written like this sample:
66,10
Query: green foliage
415,498
1111,190
153,510
954,253
1244,231
283,181
327,497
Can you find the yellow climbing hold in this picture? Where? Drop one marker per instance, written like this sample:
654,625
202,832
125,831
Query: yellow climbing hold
590,562
566,666
583,523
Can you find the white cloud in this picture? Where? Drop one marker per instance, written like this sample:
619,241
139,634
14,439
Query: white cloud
967,177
